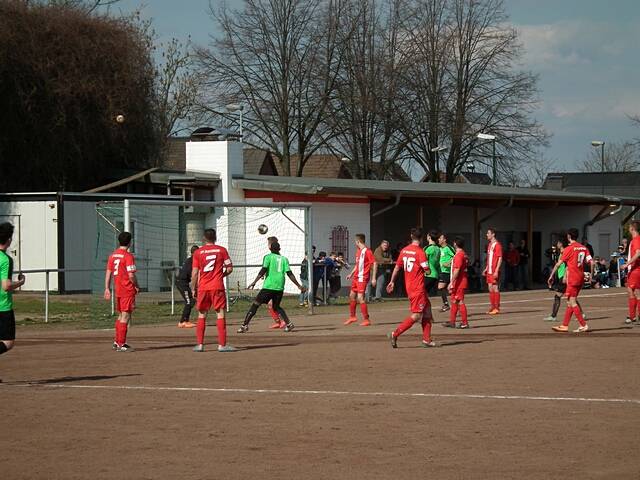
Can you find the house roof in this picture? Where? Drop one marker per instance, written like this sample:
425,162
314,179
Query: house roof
590,179
453,193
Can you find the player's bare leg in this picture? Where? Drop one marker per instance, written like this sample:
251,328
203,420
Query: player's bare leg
352,308
364,309
201,326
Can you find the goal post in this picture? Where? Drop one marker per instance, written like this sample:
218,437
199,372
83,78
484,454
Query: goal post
164,230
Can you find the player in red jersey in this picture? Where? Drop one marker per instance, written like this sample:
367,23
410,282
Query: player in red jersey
633,277
413,261
122,267
211,263
459,283
575,256
492,271
365,269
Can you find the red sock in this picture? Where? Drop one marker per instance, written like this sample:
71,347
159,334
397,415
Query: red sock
365,311
123,333
463,313
426,329
638,304
222,331
497,301
201,326
453,313
352,308
406,324
633,305
116,335
273,314
492,299
567,316
579,316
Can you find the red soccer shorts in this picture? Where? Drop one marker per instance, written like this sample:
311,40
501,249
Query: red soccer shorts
418,302
359,287
573,291
126,304
633,280
493,279
457,293
211,300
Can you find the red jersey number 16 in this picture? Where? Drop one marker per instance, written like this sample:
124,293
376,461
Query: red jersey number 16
408,263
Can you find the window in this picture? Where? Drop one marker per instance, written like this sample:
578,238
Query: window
340,240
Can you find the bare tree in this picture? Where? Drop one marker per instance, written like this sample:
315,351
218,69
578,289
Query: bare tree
463,80
87,6
279,58
618,157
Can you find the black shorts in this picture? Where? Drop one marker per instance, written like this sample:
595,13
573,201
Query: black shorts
265,296
559,286
430,283
7,325
444,277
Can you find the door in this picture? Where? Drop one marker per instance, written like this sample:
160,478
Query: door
14,249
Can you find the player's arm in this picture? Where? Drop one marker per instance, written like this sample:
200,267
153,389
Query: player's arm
352,272
555,268
8,285
631,260
134,280
374,274
131,272
454,274
394,275
261,273
195,276
498,266
293,279
107,284
227,265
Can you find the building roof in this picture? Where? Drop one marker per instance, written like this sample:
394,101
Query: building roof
452,193
626,184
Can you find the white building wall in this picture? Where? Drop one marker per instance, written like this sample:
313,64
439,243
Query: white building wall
35,244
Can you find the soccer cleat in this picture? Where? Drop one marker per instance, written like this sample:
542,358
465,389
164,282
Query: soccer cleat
394,340
226,348
199,348
289,327
124,348
365,323
186,324
445,308
115,346
430,344
581,329
274,326
463,326
550,318
243,329
627,320
560,328
350,320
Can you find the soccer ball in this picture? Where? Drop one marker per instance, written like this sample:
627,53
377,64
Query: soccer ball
262,229
120,118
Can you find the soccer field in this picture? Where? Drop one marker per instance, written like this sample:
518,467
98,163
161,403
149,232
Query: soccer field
508,398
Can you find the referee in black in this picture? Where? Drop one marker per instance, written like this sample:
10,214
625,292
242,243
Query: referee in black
182,284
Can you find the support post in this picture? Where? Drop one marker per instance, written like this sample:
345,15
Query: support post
127,215
46,296
173,291
309,248
530,247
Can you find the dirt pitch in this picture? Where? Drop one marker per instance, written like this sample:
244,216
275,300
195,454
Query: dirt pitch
506,399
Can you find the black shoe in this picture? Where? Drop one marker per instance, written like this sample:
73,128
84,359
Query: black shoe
243,329
289,327
394,340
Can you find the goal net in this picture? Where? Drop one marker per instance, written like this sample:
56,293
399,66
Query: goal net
164,232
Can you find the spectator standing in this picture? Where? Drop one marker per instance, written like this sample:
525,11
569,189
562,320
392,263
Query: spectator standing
513,261
523,266
303,298
335,275
383,258
321,270
589,247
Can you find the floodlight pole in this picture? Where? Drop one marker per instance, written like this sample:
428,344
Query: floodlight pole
127,215
602,166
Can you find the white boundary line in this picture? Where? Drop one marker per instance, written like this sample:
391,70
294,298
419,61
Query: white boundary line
632,401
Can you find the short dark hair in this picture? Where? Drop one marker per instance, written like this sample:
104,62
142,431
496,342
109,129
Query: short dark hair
434,235
194,248
124,239
492,230
416,233
361,237
636,225
271,240
322,254
210,235
274,247
6,232
573,233
459,242
340,254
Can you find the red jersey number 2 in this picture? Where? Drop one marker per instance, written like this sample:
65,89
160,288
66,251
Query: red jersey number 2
211,261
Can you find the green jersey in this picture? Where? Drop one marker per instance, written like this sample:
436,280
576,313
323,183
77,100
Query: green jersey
446,256
6,272
433,258
561,270
277,267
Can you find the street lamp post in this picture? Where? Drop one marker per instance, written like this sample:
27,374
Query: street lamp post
437,151
596,144
234,107
492,138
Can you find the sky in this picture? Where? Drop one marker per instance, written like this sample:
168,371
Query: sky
584,51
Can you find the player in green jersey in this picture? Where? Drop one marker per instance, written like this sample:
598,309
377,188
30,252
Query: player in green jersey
559,285
446,257
7,286
432,251
275,267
